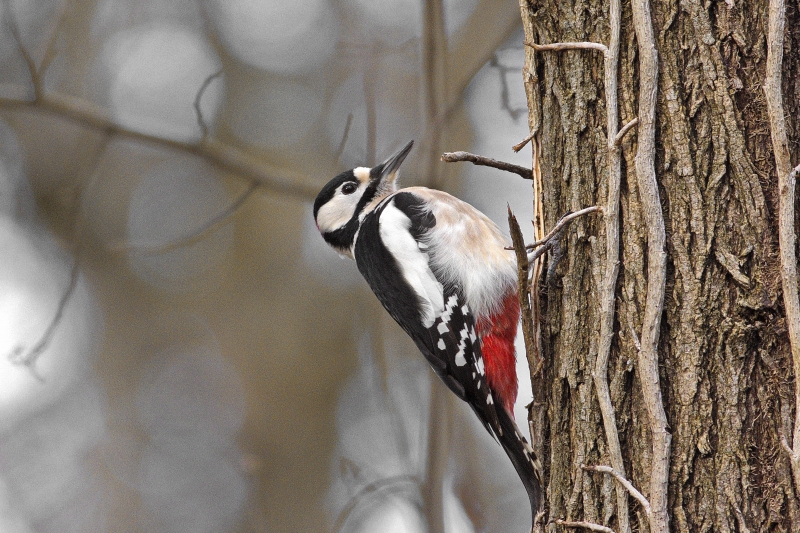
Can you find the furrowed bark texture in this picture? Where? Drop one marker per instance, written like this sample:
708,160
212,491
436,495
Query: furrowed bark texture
726,373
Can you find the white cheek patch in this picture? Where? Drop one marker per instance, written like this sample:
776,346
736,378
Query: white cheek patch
334,214
339,210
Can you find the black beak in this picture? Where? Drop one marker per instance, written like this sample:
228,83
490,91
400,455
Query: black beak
387,170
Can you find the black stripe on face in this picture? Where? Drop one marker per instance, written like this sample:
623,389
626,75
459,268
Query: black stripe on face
367,197
342,237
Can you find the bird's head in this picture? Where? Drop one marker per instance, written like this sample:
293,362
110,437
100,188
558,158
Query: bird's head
343,200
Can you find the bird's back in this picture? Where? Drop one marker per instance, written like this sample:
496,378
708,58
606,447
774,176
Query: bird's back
467,249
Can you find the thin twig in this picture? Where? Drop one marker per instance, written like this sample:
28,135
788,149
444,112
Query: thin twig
656,266
19,356
625,483
562,222
454,157
552,239
13,27
214,152
520,145
786,198
585,525
197,100
193,236
50,51
558,47
505,94
625,129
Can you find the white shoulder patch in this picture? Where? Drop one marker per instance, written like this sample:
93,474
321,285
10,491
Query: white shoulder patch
413,262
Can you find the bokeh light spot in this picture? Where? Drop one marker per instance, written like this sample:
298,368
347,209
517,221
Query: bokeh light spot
157,72
284,37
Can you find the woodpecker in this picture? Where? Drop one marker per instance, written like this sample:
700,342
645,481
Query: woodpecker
440,268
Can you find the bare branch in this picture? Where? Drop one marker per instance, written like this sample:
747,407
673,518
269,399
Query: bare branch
520,145
197,100
454,157
11,21
562,223
625,483
558,47
656,266
216,153
786,198
195,235
625,129
585,525
18,356
505,98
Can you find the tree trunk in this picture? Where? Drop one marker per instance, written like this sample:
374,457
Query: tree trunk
724,358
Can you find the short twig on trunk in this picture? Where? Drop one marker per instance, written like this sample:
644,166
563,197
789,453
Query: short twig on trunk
625,483
559,47
585,525
561,224
625,129
454,157
520,145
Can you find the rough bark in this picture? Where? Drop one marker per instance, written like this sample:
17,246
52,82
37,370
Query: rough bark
725,365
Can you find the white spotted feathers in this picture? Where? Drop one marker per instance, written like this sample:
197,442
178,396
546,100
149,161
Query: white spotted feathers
457,341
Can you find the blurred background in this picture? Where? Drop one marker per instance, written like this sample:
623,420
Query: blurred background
179,349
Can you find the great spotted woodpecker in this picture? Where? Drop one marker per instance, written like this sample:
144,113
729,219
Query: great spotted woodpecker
440,268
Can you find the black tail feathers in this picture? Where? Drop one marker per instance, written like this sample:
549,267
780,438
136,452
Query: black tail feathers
523,458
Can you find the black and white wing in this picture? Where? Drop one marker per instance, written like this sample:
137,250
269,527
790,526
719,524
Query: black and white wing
457,343
391,254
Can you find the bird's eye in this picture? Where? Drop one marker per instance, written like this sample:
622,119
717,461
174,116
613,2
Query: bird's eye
349,188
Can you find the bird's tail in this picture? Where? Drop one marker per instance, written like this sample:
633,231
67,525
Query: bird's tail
523,458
